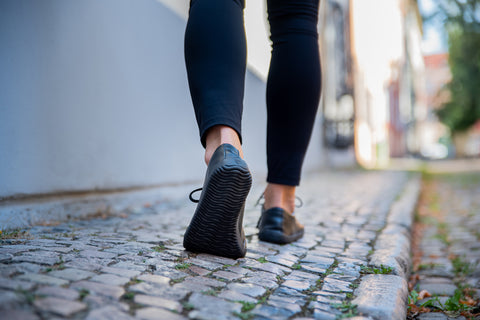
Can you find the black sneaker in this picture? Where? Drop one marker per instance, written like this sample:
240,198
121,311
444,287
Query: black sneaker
278,226
217,224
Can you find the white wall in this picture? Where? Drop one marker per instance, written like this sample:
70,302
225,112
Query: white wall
93,95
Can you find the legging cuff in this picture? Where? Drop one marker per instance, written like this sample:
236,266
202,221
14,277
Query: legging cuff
215,122
289,181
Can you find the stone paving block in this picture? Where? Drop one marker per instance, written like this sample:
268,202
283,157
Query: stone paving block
382,296
247,289
97,254
11,299
18,314
7,271
58,292
110,279
157,313
161,280
71,274
95,301
285,259
172,293
306,242
264,282
327,307
239,270
209,265
233,295
108,313
4,257
447,289
122,272
311,267
91,264
15,284
335,244
348,269
333,285
406,204
227,275
42,279
216,259
327,299
198,270
296,285
128,265
289,292
433,316
284,303
202,281
269,267
62,307
297,275
158,302
323,315
99,288
217,307
392,251
271,312
45,258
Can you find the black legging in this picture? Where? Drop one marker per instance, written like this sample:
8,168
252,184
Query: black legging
215,55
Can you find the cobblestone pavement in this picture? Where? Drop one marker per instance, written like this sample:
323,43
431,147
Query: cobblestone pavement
352,261
447,250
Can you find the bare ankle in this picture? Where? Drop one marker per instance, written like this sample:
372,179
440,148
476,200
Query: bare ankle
218,135
279,195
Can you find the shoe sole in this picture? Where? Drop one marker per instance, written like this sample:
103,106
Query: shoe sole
214,226
276,236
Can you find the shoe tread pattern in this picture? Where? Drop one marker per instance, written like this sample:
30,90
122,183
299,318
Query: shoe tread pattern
214,227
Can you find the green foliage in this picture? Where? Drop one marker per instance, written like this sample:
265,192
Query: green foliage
262,260
413,297
297,266
462,22
374,270
247,306
129,295
461,267
463,109
347,308
183,266
159,248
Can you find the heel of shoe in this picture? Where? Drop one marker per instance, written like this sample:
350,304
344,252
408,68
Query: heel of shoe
216,225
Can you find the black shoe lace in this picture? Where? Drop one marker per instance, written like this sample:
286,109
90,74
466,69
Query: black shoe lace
191,193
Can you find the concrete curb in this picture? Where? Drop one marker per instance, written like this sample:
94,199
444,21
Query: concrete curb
384,296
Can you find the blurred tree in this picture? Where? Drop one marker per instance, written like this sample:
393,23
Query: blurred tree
462,20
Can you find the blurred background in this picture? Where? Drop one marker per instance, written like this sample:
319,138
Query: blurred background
94,95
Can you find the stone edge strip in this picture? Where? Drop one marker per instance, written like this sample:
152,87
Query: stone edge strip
383,296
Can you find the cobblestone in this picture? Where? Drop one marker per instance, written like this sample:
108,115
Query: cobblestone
446,258
59,306
136,268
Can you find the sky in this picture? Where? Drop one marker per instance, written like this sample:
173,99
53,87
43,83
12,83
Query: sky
434,38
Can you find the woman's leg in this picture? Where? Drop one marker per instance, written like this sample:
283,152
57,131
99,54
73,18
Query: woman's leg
293,93
215,57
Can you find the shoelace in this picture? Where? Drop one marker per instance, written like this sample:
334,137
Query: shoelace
191,193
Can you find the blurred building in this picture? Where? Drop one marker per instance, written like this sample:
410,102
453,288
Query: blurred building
374,93
437,74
